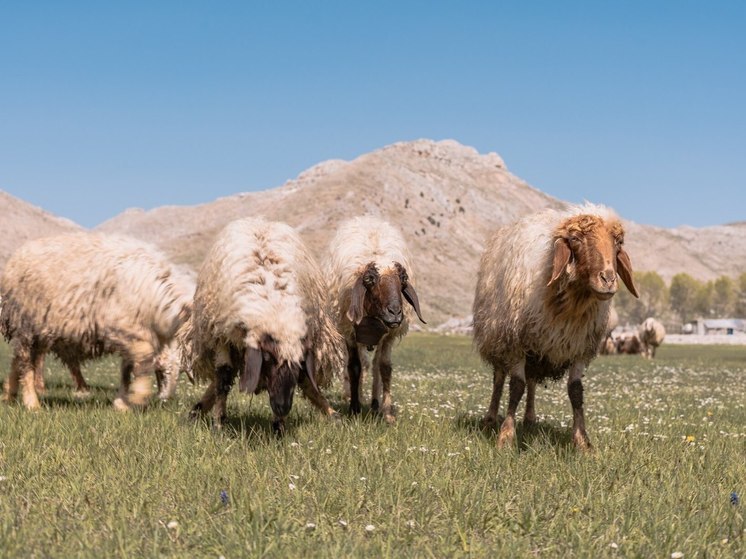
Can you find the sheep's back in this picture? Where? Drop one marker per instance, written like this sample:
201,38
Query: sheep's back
511,318
86,285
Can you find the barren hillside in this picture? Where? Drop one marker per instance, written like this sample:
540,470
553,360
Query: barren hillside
21,221
445,197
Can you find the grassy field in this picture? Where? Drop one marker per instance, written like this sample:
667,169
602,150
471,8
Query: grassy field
80,480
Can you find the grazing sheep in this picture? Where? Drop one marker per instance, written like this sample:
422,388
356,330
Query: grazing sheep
542,304
369,269
651,333
84,295
628,344
261,312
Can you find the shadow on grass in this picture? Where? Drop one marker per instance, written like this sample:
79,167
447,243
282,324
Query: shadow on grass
527,436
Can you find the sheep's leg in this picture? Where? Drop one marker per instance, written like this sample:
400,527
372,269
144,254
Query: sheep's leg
498,380
353,373
529,417
206,402
27,357
143,357
517,386
159,379
10,388
121,402
375,372
82,390
382,369
317,398
39,383
575,392
21,377
224,376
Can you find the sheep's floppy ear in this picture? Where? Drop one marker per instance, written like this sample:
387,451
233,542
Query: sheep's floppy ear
356,310
366,281
411,296
408,290
252,369
562,255
624,268
311,369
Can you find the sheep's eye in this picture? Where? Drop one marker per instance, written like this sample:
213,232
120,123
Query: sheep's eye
574,240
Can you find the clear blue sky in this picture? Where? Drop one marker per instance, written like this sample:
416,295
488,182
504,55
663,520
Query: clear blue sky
639,105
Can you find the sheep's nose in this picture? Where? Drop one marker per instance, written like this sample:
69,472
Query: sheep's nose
394,317
608,276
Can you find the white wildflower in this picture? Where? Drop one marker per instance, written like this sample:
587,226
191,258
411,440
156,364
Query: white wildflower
370,528
172,525
310,526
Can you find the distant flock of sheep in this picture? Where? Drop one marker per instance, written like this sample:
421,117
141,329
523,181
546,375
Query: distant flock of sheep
264,311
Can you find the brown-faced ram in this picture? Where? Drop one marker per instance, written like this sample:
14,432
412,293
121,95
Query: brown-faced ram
370,273
542,305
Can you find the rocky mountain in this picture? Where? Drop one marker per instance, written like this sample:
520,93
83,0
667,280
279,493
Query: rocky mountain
21,221
445,197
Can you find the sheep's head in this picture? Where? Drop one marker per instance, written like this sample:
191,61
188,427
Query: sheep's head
378,296
264,368
588,251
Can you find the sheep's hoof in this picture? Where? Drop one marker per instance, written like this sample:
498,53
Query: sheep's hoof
120,404
335,417
355,408
374,404
278,428
389,418
582,442
529,420
140,391
507,433
31,400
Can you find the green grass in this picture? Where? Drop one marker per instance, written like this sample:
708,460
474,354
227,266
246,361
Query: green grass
80,480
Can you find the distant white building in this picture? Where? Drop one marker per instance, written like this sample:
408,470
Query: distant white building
705,326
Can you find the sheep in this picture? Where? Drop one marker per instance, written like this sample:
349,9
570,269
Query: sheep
84,295
542,305
167,367
651,334
370,271
628,344
261,312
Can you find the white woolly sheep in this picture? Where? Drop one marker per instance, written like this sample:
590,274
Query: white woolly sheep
370,270
542,303
651,334
261,311
84,295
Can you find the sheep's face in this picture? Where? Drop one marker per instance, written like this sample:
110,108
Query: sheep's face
262,369
379,296
588,251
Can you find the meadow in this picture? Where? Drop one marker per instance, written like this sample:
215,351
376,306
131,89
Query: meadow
668,474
